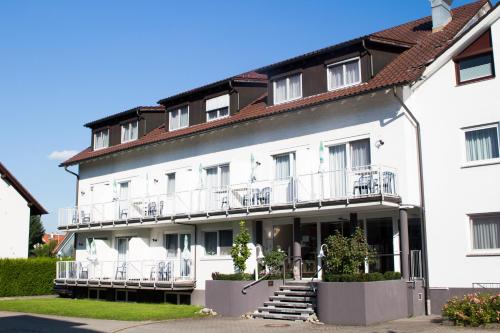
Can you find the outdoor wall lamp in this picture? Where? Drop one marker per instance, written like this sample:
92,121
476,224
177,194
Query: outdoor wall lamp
321,253
379,143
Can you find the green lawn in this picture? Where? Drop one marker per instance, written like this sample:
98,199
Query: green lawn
100,309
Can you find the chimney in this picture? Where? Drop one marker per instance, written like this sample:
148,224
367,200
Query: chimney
441,13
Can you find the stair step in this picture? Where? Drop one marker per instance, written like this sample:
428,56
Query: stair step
297,283
280,316
295,293
296,287
292,298
290,304
270,309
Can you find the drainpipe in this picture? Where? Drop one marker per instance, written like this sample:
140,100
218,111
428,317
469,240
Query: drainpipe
77,182
231,89
363,43
418,138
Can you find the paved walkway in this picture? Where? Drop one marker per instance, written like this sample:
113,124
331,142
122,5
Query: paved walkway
18,322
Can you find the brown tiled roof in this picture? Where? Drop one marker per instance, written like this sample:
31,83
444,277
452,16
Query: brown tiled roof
405,68
35,207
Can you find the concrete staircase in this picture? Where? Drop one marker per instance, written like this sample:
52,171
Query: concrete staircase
296,300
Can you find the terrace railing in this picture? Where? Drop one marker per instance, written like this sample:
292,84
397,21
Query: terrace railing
317,187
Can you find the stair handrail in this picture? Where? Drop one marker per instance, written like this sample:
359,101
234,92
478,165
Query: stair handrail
253,283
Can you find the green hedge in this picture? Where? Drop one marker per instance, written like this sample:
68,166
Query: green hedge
361,277
27,277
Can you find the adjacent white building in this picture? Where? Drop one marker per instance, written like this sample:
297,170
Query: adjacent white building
377,133
16,207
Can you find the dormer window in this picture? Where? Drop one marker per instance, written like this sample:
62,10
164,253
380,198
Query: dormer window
129,131
178,118
344,74
101,139
475,62
217,107
287,89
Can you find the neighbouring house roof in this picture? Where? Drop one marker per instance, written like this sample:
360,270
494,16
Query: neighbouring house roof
423,46
140,109
52,237
35,207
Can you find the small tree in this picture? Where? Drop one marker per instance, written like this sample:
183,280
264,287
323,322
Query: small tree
347,255
240,251
36,231
45,250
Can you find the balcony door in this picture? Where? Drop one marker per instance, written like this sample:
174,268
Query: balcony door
284,174
123,200
178,253
346,159
217,182
122,247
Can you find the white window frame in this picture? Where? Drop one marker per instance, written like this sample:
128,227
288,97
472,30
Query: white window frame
219,173
288,99
218,254
466,163
219,109
479,252
292,155
129,125
106,130
343,62
347,143
167,176
178,110
179,240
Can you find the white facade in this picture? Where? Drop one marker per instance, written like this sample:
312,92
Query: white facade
14,222
454,188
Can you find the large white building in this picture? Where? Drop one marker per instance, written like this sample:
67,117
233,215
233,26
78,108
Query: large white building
395,132
16,207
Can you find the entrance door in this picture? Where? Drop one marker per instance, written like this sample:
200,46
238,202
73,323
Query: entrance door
379,234
283,238
309,244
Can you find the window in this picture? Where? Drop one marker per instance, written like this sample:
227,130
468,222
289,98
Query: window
284,165
475,68
129,131
288,88
171,245
344,74
481,143
486,232
171,183
217,176
178,118
218,242
101,139
217,107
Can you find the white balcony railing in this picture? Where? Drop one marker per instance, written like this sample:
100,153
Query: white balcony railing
140,273
323,186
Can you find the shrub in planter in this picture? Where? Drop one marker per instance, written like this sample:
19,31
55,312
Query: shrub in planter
232,277
274,261
473,310
362,277
240,251
389,275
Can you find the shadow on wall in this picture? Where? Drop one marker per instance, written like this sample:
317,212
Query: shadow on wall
27,323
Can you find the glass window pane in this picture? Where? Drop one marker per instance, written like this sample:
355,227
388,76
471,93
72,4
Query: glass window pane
477,67
223,112
482,144
224,175
210,243
184,121
282,165
134,134
171,245
173,119
225,241
125,133
486,232
105,138
336,76
212,115
280,91
295,89
352,75
360,153
170,183
211,177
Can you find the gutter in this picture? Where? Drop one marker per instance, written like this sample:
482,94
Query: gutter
423,227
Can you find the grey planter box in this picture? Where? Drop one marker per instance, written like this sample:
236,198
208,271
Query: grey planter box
226,298
365,303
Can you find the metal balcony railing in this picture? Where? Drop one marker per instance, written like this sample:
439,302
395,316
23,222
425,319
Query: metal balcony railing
146,273
322,186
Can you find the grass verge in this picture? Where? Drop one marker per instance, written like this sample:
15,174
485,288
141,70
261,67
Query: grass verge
84,308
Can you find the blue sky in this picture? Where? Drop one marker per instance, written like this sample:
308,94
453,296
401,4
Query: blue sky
64,63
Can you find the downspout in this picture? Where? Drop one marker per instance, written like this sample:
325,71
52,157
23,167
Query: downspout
77,182
231,89
138,112
418,138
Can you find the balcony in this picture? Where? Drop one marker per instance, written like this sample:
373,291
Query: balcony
173,274
371,183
